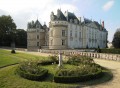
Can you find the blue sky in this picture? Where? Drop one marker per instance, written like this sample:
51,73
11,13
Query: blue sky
23,11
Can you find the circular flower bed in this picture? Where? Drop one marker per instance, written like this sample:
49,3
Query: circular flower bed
78,74
32,71
85,70
74,69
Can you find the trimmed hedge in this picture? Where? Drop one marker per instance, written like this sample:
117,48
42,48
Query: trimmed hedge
36,77
51,60
32,71
113,51
46,62
82,78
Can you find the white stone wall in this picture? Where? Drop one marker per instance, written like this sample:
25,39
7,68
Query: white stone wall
74,41
95,37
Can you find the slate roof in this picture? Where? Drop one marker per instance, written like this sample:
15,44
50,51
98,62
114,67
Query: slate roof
68,16
60,16
94,24
35,24
71,16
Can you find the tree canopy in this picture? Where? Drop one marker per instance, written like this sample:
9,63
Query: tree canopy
7,28
116,39
21,38
9,33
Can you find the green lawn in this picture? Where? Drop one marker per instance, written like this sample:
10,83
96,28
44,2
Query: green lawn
9,79
6,58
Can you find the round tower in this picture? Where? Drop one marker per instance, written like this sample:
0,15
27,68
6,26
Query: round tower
58,35
58,31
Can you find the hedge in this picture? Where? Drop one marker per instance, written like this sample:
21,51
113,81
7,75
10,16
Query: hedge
36,77
73,79
47,62
114,51
51,59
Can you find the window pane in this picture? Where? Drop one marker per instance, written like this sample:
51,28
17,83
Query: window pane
37,43
63,32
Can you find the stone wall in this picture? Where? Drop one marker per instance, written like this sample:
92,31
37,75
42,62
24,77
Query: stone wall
115,57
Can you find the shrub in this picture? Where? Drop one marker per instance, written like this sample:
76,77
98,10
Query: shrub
114,51
13,51
83,72
30,70
50,60
53,58
77,60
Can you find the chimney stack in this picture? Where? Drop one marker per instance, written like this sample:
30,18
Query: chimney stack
103,24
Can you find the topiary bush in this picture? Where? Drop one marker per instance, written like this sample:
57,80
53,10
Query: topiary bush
31,71
13,51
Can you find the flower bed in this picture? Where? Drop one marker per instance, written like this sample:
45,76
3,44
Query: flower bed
86,70
76,75
31,71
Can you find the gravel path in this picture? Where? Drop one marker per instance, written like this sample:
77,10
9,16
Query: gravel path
115,68
113,65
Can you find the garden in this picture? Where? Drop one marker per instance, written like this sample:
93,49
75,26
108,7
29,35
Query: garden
22,70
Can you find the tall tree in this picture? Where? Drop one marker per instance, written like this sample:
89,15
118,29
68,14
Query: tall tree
7,30
116,39
21,38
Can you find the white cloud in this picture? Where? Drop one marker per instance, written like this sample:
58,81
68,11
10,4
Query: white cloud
23,11
108,5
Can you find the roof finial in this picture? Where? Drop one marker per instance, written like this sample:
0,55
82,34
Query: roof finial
59,4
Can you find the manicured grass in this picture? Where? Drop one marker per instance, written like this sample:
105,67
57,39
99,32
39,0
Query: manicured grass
6,58
8,79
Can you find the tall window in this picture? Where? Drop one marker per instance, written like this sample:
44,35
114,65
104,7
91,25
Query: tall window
79,34
37,36
51,42
76,34
37,43
71,33
63,33
63,42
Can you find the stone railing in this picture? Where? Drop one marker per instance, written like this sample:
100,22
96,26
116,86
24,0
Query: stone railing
115,57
